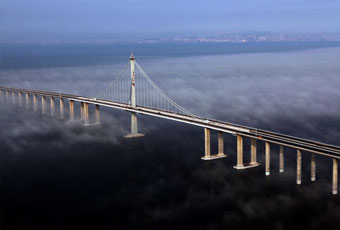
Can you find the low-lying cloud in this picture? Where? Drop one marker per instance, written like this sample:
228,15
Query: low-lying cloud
159,181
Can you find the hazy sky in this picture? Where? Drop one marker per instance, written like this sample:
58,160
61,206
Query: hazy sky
97,19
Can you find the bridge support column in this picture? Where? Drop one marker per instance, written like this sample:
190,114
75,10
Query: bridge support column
97,114
207,155
298,166
206,143
134,127
82,111
35,103
86,114
220,144
71,103
43,104
13,97
61,104
281,156
52,106
267,149
253,153
335,177
27,101
2,95
7,96
313,168
20,99
239,164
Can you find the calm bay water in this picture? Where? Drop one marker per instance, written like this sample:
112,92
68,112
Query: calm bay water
36,55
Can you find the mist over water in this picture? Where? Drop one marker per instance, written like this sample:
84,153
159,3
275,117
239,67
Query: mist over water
62,175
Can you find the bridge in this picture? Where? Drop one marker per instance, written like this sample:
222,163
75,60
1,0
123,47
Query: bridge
134,91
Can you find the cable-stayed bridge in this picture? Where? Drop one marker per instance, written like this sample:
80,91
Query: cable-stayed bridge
134,91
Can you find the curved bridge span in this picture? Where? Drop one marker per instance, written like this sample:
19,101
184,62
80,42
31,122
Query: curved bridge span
173,111
222,126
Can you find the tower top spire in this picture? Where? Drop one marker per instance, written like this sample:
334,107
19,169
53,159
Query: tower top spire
131,56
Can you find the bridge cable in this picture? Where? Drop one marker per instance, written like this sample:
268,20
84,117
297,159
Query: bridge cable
168,99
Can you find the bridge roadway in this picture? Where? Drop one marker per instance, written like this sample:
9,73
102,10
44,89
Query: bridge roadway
234,129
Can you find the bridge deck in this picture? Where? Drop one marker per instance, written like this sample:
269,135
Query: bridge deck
235,129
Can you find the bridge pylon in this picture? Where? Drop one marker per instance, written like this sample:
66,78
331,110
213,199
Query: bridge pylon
134,124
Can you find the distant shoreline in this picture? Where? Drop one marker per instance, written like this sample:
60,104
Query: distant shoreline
20,56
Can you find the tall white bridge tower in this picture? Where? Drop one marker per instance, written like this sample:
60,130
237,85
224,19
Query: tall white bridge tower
134,124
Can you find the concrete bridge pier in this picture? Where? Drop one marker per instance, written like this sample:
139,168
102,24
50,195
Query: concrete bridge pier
35,102
61,104
313,168
97,115
220,144
267,156
13,97
253,161
1,96
335,177
253,153
20,99
7,96
281,159
71,104
43,104
207,149
82,111
206,144
298,166
27,101
239,151
134,124
86,114
134,127
52,106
